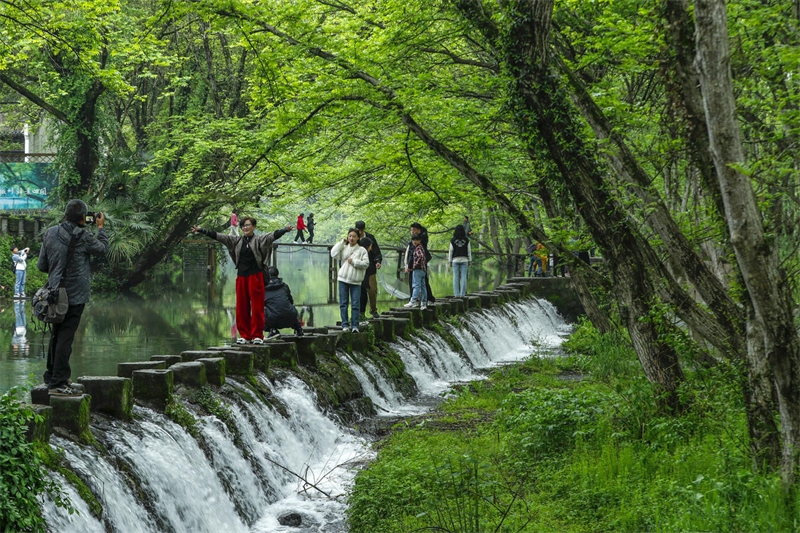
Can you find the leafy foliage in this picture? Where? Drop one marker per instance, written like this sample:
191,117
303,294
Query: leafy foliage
22,478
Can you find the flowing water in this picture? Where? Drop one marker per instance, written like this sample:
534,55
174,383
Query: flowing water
282,457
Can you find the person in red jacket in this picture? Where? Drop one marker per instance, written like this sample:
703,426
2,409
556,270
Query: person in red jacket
301,225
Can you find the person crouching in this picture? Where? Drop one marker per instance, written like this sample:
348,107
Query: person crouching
279,309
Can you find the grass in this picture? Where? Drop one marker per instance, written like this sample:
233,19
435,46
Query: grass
529,451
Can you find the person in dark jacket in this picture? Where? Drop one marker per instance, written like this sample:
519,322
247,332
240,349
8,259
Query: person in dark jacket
310,227
250,253
279,309
53,259
369,287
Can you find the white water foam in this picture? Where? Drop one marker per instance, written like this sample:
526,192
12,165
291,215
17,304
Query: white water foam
293,459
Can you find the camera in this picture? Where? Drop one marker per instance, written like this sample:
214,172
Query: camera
91,218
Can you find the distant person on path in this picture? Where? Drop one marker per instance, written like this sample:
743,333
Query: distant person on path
369,288
234,228
20,260
301,225
418,269
419,229
467,227
310,226
355,260
279,309
75,271
249,253
536,250
459,257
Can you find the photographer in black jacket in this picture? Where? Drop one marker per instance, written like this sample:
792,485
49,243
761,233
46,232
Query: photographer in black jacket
53,259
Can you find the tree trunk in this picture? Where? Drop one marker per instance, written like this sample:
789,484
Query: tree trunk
157,251
545,114
757,388
767,285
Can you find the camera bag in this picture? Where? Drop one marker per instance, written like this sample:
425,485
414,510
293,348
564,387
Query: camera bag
50,305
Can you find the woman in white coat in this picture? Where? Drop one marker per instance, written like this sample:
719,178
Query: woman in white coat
355,260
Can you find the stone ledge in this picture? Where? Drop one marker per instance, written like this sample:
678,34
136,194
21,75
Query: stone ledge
126,370
153,387
190,373
110,395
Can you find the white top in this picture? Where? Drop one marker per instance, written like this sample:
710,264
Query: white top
351,273
460,259
21,264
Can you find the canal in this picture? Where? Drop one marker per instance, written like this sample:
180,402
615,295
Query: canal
181,309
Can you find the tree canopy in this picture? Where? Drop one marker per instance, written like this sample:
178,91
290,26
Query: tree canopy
663,133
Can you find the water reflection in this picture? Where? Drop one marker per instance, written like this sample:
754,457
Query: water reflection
180,309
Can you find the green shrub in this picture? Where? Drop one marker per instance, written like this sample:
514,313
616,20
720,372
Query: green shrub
545,423
22,478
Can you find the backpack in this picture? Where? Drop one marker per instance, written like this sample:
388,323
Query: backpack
51,305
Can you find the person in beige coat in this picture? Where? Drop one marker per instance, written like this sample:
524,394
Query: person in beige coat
354,260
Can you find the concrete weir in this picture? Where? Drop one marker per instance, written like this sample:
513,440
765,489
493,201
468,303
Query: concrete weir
152,383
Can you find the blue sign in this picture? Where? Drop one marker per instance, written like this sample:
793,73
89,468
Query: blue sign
25,185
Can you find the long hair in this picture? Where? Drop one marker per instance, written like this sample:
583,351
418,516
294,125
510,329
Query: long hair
459,232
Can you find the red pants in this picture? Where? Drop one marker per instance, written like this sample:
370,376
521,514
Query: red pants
250,306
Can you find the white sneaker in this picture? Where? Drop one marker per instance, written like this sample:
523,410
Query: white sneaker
258,341
354,330
411,304
242,341
423,306
346,329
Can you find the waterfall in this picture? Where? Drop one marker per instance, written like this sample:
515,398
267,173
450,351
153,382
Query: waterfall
270,450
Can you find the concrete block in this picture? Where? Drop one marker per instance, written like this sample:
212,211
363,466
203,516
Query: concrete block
194,355
283,353
189,373
487,299
110,395
377,327
261,353
238,363
71,413
40,395
215,370
443,308
512,295
473,302
429,316
126,370
384,329
307,348
411,313
40,430
153,387
169,360
400,325
458,305
523,288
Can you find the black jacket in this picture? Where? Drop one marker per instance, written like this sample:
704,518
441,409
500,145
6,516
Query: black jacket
279,310
53,258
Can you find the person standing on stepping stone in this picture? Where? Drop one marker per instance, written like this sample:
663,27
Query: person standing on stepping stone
71,267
